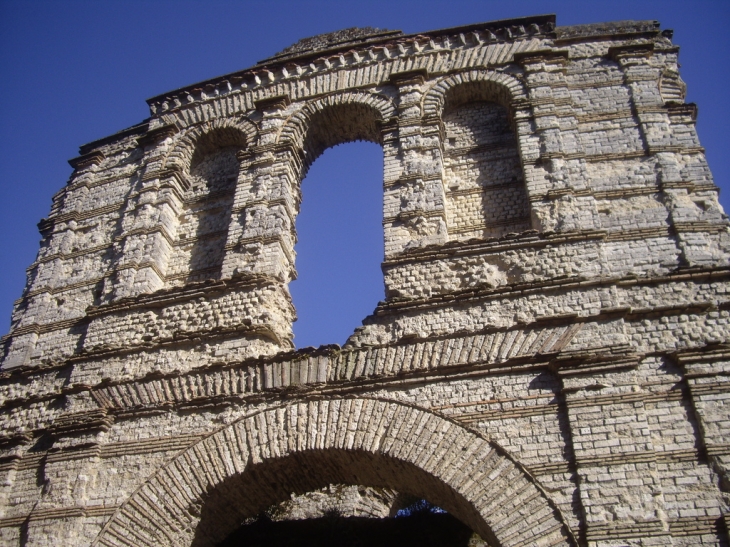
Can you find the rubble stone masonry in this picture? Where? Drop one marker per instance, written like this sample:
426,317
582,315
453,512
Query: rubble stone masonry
551,361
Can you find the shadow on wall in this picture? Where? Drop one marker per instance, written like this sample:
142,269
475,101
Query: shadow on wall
202,230
340,244
209,212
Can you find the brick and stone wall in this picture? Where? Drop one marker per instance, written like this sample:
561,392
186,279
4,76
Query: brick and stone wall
550,364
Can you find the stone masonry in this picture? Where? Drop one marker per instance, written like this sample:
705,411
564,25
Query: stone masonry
551,361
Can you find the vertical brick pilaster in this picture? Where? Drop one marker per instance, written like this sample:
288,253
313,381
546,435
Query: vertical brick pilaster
707,374
561,201
669,136
414,212
261,236
148,224
620,492
148,232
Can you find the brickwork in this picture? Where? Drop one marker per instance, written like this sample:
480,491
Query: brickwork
485,191
550,364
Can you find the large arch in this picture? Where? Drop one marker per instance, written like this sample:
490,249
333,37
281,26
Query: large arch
205,492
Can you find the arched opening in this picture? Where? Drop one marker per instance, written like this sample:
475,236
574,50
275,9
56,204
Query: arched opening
483,176
241,502
339,225
207,491
202,228
340,244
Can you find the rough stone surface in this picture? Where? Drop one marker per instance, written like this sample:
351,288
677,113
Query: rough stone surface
550,364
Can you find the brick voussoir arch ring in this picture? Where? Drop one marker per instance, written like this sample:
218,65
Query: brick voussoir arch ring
473,477
242,130
508,89
295,127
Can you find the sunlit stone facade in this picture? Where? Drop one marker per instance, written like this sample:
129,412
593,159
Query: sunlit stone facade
549,365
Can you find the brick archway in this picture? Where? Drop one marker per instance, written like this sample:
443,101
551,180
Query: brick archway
225,477
239,131
296,127
496,86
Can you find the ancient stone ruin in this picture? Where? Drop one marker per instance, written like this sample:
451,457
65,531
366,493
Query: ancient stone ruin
549,366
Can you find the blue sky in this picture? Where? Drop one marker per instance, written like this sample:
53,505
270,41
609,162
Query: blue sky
75,71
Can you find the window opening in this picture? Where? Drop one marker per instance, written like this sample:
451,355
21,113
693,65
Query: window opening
340,244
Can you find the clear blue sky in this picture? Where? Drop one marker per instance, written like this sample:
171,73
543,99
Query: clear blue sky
75,71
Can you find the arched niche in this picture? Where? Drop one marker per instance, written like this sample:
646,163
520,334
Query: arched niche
206,137
483,177
483,145
205,493
211,175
